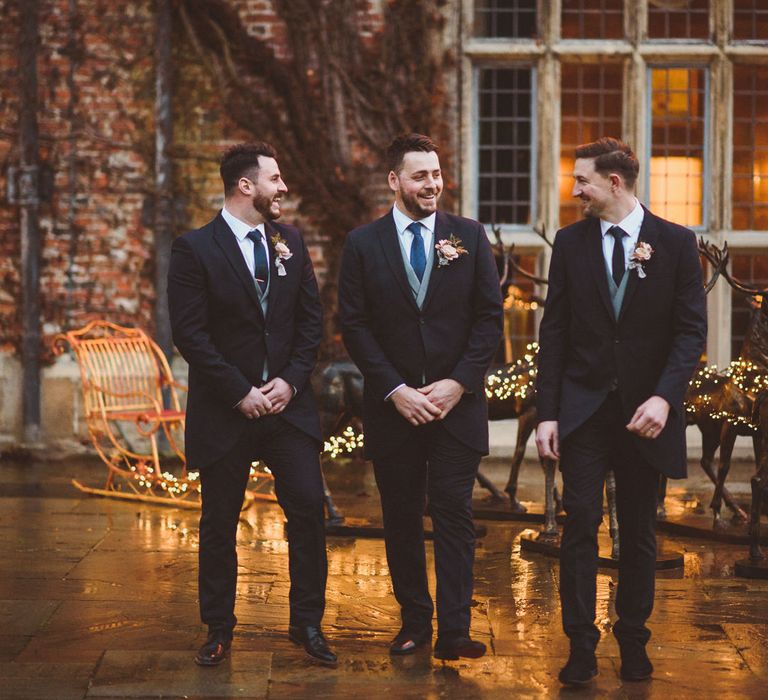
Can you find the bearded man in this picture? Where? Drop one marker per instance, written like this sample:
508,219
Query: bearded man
246,315
421,315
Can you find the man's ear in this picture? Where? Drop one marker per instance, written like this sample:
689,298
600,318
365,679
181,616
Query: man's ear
393,180
245,186
616,182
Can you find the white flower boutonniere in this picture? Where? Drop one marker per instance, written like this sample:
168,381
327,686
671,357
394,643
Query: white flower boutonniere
640,255
283,253
449,250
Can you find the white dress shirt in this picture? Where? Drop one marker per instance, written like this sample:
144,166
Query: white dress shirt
402,222
241,229
630,224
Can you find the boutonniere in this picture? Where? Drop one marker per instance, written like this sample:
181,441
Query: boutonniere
283,253
640,255
449,250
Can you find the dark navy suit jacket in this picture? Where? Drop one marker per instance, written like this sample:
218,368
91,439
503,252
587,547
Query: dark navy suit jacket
219,328
652,348
454,335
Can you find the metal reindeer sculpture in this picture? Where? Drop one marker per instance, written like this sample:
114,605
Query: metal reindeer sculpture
736,400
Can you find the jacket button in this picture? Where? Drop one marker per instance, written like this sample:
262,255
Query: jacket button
266,335
421,321
616,340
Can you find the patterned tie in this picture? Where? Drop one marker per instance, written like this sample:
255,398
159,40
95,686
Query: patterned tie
617,262
260,264
418,257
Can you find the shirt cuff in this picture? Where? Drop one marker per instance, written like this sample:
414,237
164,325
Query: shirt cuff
399,386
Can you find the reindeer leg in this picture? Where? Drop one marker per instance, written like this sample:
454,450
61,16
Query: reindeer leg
549,530
613,520
525,426
335,516
758,489
661,509
496,495
727,440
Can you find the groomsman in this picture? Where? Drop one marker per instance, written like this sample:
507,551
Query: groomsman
246,315
623,329
421,315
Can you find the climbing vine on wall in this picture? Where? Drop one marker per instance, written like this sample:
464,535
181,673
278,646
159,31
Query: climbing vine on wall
337,92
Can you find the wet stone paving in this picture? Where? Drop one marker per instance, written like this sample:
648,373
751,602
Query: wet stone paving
98,600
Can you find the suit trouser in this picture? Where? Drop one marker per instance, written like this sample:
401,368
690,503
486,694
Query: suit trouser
293,458
430,464
600,444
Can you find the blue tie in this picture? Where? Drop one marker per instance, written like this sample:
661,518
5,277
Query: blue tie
260,264
418,257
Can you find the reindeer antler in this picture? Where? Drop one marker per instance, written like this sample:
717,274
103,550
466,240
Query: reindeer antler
718,258
711,253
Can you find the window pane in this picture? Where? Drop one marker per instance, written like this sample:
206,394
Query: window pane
750,20
678,19
591,108
505,18
593,19
678,101
750,147
505,145
752,270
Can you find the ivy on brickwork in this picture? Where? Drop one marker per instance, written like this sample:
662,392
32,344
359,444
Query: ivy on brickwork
329,93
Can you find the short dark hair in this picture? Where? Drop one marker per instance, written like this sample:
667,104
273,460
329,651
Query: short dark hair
407,143
612,156
241,159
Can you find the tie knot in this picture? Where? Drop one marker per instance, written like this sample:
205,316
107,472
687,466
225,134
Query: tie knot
617,232
254,235
415,228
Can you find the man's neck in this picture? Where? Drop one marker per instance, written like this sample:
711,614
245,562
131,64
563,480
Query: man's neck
244,211
620,209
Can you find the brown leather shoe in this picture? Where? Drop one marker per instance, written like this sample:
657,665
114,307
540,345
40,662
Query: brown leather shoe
215,649
407,641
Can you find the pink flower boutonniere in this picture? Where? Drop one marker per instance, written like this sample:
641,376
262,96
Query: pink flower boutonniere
640,255
283,253
449,250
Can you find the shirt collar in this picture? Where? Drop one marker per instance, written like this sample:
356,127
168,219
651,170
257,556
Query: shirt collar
630,224
402,221
239,227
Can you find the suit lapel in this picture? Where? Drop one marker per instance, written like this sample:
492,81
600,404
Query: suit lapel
597,263
226,240
650,234
275,281
393,255
438,273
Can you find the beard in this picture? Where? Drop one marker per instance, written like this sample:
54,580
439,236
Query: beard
415,207
263,205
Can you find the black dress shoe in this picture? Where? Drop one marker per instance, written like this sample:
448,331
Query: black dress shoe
215,649
580,669
635,664
314,643
454,647
407,641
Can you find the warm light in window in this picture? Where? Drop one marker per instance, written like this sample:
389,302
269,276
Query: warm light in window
676,185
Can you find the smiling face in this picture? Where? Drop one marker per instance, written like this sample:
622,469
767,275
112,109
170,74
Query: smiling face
266,190
418,184
593,189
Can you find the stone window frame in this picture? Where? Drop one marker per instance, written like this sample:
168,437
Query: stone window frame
545,54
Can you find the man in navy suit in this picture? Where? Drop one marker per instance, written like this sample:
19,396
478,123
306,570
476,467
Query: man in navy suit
623,329
246,315
421,315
